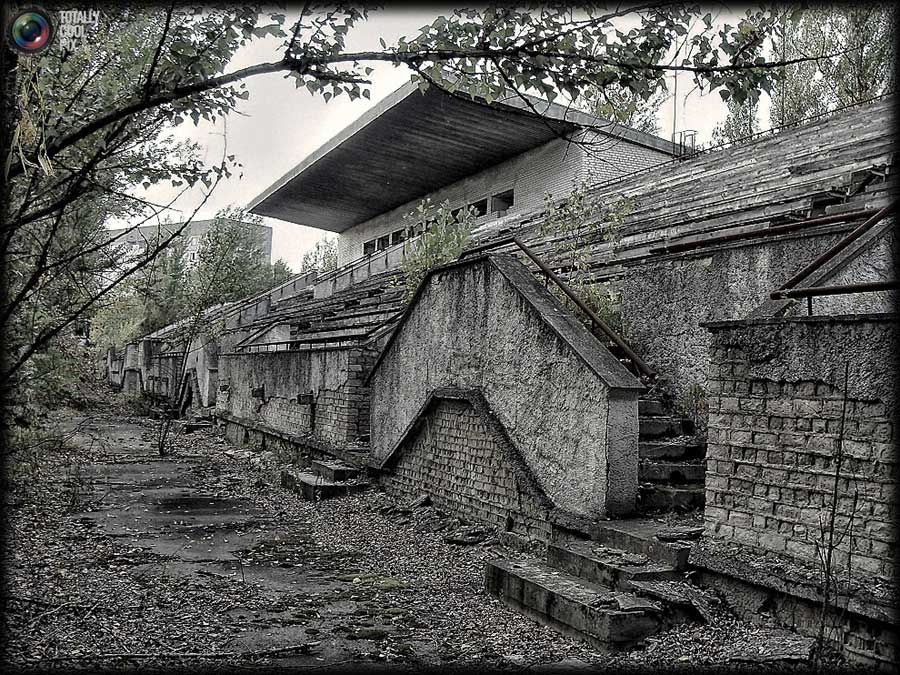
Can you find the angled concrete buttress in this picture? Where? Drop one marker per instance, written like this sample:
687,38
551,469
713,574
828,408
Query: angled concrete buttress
568,406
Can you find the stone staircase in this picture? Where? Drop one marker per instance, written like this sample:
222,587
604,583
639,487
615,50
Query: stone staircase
672,460
627,581
325,479
614,590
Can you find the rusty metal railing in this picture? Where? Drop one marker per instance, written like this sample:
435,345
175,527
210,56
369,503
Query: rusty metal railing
790,289
596,321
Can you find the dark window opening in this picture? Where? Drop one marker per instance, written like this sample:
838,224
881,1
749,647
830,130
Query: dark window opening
502,202
479,207
398,237
383,242
369,247
455,213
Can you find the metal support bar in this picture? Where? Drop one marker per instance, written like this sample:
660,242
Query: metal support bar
571,295
844,289
596,320
765,232
838,247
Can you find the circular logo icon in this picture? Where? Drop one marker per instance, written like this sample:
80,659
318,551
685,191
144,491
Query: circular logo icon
30,30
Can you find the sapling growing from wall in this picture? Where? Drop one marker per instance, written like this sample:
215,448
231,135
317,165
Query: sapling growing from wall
574,224
443,234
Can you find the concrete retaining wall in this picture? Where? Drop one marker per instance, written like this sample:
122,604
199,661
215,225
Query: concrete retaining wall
564,400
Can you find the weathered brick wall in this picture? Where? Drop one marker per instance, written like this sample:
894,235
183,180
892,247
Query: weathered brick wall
609,158
334,378
568,405
455,459
776,398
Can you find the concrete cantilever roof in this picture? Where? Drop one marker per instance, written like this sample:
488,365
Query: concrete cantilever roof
410,144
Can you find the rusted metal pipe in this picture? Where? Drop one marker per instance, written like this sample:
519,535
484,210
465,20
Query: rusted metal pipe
596,320
842,289
765,232
838,247
488,246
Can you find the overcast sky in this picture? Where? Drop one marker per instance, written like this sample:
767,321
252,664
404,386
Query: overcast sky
279,125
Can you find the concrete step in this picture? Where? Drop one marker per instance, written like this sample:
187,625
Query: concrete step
678,447
609,567
313,487
651,406
607,619
664,426
674,472
638,535
654,497
333,470
683,601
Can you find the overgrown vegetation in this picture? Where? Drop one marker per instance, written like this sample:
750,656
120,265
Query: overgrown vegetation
839,54
575,223
695,405
443,234
322,258
229,265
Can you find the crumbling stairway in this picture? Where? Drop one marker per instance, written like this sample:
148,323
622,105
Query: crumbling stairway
325,479
627,581
672,457
613,591
672,464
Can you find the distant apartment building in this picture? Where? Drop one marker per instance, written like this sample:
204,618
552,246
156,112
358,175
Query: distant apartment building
137,240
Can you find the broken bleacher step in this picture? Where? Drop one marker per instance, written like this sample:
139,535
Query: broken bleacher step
333,470
672,471
610,567
651,407
659,497
313,487
608,619
686,601
680,447
662,426
638,535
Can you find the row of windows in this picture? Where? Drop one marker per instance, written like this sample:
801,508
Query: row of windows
500,204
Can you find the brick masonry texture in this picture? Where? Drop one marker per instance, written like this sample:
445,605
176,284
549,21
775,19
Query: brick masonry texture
454,458
333,377
472,328
775,406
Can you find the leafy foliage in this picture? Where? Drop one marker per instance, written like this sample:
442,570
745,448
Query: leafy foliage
92,125
322,258
623,106
844,55
574,222
444,234
230,266
862,35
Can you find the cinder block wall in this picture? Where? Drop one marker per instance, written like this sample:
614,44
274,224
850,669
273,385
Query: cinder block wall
776,398
455,459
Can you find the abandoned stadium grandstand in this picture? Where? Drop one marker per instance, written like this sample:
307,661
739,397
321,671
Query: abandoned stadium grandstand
753,378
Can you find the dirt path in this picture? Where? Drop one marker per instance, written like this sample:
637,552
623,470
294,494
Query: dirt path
201,553
117,558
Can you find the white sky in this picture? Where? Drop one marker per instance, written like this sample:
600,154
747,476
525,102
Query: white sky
279,125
